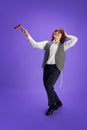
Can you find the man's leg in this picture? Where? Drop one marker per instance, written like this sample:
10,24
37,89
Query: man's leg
51,74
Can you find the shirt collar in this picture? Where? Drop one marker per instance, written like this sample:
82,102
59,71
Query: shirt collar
55,42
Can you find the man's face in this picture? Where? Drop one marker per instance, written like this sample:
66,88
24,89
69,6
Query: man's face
57,35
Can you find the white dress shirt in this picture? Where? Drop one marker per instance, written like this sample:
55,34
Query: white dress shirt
53,48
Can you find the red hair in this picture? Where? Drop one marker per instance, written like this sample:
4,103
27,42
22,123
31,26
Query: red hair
63,37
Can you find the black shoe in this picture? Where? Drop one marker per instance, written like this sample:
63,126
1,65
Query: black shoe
58,104
49,111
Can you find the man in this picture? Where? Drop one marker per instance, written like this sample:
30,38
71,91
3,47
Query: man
53,62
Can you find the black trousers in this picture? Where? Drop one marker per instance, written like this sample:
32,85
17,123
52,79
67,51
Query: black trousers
50,76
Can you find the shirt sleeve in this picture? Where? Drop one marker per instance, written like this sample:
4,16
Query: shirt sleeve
71,42
35,44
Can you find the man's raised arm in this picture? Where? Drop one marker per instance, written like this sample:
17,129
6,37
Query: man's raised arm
35,44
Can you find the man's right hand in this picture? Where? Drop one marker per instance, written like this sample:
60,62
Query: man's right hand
24,31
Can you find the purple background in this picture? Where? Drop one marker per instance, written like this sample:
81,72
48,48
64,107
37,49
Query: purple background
23,100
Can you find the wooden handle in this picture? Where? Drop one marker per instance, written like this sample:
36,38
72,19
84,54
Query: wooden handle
18,26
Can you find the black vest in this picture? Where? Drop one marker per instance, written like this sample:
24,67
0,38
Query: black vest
59,56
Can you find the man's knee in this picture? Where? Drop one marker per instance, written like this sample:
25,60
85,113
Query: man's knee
49,87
